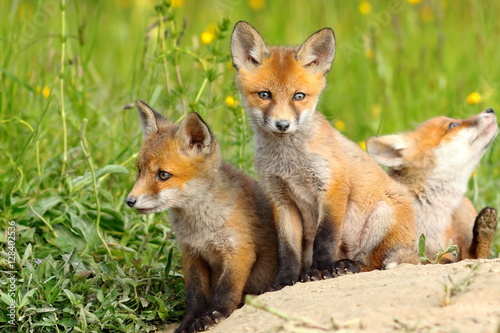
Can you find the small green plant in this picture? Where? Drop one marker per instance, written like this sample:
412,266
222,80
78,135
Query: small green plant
453,249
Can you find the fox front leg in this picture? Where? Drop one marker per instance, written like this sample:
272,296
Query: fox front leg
197,280
228,293
289,228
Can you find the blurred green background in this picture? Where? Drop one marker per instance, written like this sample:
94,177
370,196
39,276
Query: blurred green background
69,137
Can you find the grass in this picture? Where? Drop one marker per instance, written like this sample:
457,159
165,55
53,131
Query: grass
70,71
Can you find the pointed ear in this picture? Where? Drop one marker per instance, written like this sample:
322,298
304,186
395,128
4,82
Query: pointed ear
195,134
149,118
247,46
388,150
318,51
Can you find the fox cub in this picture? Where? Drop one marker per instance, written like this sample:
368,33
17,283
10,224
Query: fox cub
330,198
435,162
222,219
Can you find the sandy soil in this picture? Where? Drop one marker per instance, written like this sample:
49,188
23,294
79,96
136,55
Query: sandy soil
406,299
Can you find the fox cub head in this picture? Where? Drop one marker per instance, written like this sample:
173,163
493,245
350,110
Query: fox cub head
175,161
280,86
440,148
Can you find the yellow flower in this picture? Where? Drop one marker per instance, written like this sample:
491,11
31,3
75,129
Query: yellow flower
365,8
369,53
207,37
256,4
45,91
473,98
414,2
177,3
426,14
230,101
362,144
340,125
474,174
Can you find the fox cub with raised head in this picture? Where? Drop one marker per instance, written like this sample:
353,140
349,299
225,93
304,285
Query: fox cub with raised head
435,162
222,220
335,207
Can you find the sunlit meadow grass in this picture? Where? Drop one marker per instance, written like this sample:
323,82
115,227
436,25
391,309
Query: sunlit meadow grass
86,262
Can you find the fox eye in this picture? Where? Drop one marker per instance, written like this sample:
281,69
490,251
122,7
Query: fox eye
163,175
264,94
452,125
299,96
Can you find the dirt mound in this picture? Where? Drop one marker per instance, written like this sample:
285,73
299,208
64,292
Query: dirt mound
461,297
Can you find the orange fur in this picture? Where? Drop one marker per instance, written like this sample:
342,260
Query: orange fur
222,219
435,162
331,200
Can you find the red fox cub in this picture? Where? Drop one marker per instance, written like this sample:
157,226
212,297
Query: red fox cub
222,220
435,162
335,208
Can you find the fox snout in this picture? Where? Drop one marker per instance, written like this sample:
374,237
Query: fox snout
487,116
130,200
282,125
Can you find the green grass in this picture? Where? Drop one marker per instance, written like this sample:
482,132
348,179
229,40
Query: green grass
395,67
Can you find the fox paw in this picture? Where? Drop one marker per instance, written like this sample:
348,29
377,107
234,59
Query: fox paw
337,268
344,267
206,322
311,275
276,287
281,282
486,221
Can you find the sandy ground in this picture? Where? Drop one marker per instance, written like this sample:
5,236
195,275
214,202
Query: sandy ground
406,299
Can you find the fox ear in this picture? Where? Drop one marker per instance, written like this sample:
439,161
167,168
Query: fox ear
247,46
149,118
195,134
318,51
388,150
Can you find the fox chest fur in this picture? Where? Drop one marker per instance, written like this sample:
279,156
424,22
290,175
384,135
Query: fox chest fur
289,169
202,229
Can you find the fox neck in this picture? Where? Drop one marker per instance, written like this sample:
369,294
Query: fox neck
430,188
436,198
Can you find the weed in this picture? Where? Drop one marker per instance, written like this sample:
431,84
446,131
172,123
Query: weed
453,288
453,249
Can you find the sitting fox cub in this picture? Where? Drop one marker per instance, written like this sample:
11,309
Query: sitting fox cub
330,198
435,162
222,220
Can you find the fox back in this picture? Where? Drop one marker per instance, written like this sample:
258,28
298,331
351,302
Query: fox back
435,162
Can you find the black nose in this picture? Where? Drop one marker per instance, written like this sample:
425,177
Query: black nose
490,110
282,125
131,201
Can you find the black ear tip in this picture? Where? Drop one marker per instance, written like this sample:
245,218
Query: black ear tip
141,104
243,25
194,115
